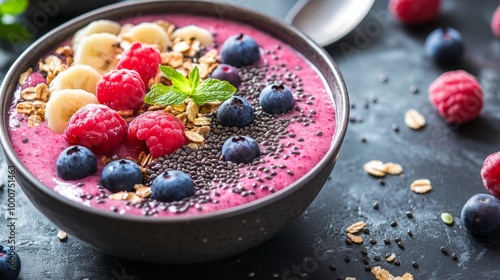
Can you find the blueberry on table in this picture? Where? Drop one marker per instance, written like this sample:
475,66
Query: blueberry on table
240,149
10,263
172,185
240,50
121,175
445,46
226,72
481,214
76,162
276,99
236,111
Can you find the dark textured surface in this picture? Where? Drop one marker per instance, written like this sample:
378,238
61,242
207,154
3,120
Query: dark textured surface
449,156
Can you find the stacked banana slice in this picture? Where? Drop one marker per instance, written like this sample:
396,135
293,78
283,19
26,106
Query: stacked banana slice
96,49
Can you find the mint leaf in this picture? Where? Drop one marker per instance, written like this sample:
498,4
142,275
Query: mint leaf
179,81
212,90
194,78
162,95
13,7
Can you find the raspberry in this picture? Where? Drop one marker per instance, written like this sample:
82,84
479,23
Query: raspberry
414,11
490,173
495,22
121,90
96,127
457,96
163,133
141,58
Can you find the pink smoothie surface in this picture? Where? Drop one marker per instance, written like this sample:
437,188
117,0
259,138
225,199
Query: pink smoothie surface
38,147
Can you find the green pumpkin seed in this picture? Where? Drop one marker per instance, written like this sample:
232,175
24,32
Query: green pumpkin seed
447,218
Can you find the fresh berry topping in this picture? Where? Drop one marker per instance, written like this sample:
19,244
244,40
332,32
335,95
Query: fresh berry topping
76,162
490,173
240,50
445,46
236,111
226,72
161,132
495,22
33,79
121,175
240,149
414,11
142,58
276,99
10,263
457,96
172,185
96,127
121,90
481,214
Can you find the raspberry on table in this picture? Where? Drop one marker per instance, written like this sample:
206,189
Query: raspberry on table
96,127
142,58
162,133
495,22
121,90
490,174
457,96
414,11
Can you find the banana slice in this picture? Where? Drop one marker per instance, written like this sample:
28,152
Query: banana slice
97,26
193,31
76,77
148,33
99,51
63,104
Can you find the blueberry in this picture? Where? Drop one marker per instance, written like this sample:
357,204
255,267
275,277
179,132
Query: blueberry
236,111
481,214
240,149
10,263
226,72
121,175
172,185
76,162
276,99
445,46
240,50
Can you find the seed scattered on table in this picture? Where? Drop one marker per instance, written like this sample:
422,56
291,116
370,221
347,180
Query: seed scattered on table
444,250
447,218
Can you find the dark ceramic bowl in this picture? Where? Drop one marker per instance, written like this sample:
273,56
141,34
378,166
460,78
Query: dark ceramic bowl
200,238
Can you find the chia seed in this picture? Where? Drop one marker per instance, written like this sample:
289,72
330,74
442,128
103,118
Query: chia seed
394,224
409,214
444,250
454,256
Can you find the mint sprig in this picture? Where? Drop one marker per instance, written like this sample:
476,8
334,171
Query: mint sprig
183,88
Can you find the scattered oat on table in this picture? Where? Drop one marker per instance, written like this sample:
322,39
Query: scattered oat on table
414,119
421,186
62,235
379,169
356,227
382,274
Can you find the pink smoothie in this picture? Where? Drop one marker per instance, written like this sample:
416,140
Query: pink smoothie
310,132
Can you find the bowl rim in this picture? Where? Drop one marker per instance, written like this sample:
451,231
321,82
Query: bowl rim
341,115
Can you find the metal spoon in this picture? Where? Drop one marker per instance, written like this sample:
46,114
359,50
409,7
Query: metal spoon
326,21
